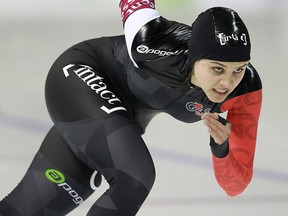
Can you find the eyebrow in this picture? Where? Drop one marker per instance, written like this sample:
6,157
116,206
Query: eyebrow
223,65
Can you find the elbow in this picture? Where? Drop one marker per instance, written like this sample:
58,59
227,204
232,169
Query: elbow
234,193
236,189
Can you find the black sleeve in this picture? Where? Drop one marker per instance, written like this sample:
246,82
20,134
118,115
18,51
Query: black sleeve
161,48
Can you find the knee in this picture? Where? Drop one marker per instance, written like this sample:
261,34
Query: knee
126,194
146,178
134,188
140,181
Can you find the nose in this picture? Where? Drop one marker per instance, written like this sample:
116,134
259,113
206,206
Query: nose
226,81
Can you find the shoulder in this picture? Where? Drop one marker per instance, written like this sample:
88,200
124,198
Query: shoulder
160,38
160,28
251,82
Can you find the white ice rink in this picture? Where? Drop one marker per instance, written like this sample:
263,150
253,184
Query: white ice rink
34,33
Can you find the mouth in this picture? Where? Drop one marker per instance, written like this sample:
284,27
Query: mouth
220,92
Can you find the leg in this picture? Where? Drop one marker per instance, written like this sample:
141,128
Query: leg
55,183
106,140
113,145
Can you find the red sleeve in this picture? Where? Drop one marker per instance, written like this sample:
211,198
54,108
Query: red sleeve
234,172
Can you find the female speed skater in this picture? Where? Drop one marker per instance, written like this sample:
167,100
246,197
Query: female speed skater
102,93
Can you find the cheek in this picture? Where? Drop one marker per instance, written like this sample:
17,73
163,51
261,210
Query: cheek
237,80
207,79
203,76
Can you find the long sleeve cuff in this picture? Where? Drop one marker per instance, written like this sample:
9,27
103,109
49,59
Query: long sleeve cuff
219,151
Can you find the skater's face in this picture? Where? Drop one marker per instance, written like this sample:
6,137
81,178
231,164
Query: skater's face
216,78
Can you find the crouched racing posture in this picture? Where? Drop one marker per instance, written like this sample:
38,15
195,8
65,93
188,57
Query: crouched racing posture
102,93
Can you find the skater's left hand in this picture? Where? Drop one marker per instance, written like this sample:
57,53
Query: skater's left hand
217,130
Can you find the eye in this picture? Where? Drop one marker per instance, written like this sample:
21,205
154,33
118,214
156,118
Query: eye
218,69
239,70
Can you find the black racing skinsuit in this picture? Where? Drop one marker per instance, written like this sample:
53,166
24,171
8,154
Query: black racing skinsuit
100,104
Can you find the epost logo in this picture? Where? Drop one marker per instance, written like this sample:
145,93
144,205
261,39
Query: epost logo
143,49
58,178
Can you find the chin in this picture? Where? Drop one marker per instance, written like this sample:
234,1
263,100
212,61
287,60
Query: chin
217,100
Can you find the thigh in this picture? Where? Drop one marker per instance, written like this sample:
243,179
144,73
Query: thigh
77,86
111,144
55,183
114,146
